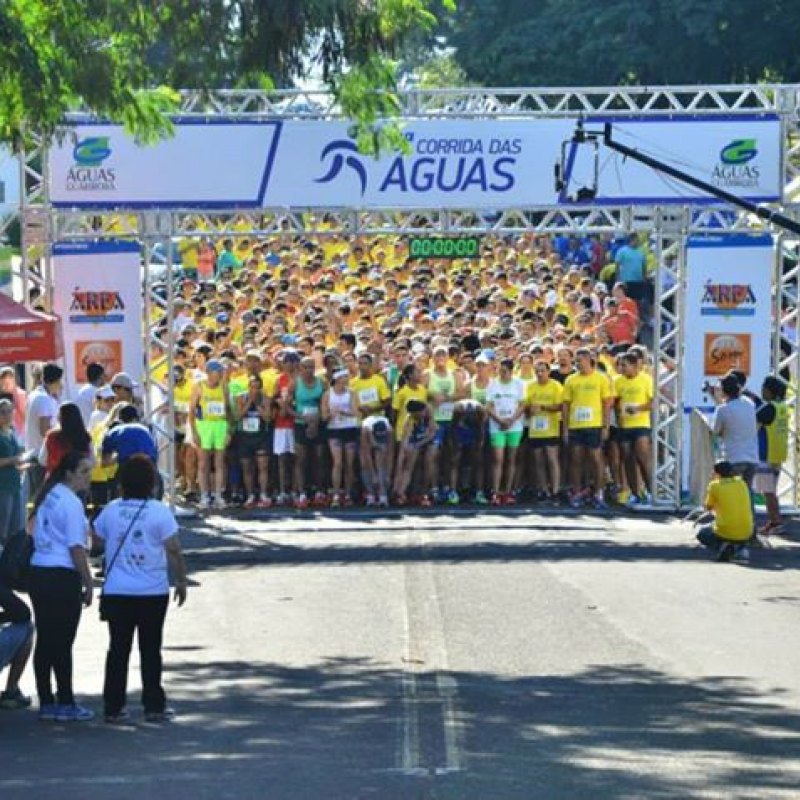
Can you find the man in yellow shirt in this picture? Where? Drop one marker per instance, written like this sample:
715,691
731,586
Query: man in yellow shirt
633,391
543,399
586,409
728,499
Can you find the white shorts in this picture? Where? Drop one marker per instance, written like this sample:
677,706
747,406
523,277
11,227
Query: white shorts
766,479
283,442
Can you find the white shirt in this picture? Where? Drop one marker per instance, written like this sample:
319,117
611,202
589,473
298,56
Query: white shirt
85,401
60,524
141,566
507,398
40,404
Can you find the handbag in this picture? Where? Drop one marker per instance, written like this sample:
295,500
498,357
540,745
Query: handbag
15,561
102,606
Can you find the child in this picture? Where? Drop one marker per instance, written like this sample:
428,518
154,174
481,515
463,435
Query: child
728,499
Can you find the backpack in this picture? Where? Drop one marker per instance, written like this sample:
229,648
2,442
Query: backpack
15,561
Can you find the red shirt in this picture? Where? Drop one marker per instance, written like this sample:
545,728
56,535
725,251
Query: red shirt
621,327
285,391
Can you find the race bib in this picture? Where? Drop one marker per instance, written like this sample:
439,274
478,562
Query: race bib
506,407
368,397
181,407
251,424
310,413
540,424
446,410
584,414
215,408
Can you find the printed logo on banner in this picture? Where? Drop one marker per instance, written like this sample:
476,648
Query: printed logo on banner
728,300
338,147
726,351
106,353
96,307
451,165
737,168
89,172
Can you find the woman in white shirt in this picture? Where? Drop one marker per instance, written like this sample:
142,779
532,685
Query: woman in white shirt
337,408
60,582
141,545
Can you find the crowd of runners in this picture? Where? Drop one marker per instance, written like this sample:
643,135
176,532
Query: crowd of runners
333,371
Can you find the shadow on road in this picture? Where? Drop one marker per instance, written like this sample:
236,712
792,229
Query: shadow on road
336,730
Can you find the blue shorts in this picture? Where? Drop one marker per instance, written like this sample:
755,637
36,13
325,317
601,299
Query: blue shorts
466,436
442,432
12,637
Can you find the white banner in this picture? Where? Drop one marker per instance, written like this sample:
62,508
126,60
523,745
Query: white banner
728,317
97,292
480,163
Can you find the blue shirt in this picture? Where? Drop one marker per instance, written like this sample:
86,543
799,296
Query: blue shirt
129,440
631,263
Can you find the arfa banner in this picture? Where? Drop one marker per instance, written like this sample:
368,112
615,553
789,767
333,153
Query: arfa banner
97,292
450,163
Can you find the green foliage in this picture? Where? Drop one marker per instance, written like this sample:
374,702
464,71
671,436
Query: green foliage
117,58
585,42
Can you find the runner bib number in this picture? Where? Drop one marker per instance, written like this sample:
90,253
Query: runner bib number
445,410
368,397
215,408
584,414
540,424
251,424
506,407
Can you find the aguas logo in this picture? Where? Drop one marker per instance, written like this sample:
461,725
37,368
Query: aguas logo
737,168
89,172
340,147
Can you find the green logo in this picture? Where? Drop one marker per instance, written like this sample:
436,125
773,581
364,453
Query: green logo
92,152
739,151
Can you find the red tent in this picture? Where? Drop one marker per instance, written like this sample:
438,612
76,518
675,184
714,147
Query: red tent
27,335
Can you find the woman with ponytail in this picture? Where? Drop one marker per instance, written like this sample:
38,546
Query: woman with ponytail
60,583
70,435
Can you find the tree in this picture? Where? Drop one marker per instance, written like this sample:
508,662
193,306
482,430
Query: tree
118,58
583,42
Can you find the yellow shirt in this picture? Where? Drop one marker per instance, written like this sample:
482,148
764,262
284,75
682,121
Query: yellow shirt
586,395
729,499
183,397
269,381
636,391
370,393
401,397
212,403
545,424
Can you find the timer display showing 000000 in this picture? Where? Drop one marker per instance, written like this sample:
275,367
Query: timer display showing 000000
461,247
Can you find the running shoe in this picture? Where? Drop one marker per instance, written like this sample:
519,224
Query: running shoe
251,502
282,499
301,502
600,503
74,713
320,499
633,500
48,713
741,554
265,501
120,718
425,501
452,497
14,700
575,501
383,501
510,499
336,501
369,500
725,552
219,503
205,503
480,498
497,499
159,717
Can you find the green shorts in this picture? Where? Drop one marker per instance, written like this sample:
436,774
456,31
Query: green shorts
213,433
503,439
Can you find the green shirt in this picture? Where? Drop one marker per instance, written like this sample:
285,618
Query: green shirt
9,476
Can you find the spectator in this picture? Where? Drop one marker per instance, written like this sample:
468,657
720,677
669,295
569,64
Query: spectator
773,448
123,386
11,520
727,498
127,439
17,395
141,542
60,582
96,378
632,269
16,642
41,417
69,435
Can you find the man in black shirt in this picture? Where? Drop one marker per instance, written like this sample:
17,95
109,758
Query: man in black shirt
16,640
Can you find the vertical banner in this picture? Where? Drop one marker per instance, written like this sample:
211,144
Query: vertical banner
728,319
97,292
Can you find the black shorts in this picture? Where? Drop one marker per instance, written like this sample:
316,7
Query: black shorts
301,438
591,438
630,435
615,435
344,435
180,438
248,445
540,444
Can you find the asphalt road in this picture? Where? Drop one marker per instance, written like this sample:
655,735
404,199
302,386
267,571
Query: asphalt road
494,656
